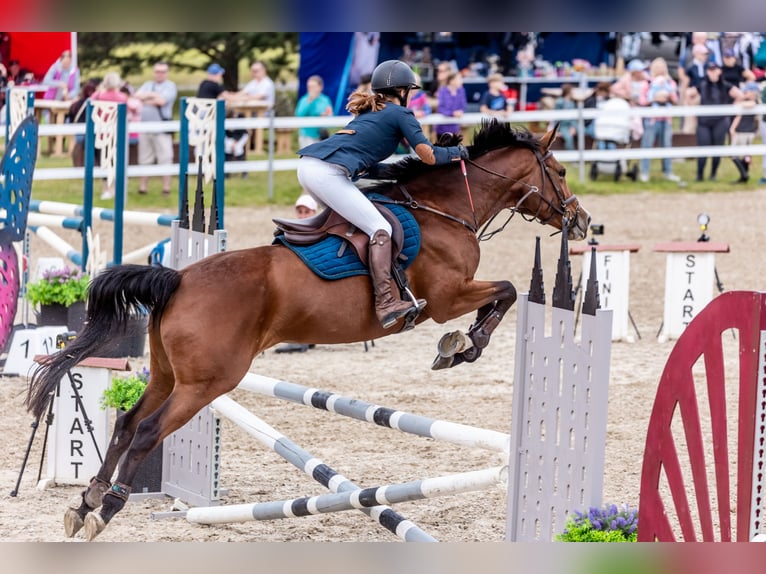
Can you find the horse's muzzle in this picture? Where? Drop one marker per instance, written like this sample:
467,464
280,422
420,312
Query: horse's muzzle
579,228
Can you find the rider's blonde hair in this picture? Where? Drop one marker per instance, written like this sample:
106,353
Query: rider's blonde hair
360,102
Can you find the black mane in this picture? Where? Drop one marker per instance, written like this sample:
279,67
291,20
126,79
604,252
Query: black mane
492,134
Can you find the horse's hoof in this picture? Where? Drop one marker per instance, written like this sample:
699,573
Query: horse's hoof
441,363
72,522
451,344
94,525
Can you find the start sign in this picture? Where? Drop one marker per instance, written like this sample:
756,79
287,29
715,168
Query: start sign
689,280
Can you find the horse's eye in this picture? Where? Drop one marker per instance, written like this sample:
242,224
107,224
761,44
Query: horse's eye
563,172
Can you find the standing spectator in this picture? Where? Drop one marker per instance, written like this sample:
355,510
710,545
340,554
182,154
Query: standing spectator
15,73
443,70
261,87
661,91
452,103
134,110
313,104
419,103
567,128
712,130
693,73
157,97
630,85
744,129
63,79
212,86
731,70
76,113
493,101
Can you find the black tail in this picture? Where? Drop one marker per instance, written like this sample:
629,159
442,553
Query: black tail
113,296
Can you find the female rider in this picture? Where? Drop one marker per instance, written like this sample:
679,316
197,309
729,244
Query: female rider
328,168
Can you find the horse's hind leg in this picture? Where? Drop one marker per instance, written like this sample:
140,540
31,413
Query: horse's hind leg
176,411
124,430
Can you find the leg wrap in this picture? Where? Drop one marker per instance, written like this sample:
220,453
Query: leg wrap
119,490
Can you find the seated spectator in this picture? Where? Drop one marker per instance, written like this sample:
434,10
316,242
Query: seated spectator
261,87
234,142
493,102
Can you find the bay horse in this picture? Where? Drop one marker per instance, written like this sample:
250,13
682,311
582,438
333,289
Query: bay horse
209,320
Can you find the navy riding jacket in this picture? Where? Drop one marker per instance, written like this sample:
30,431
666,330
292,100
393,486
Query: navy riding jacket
373,136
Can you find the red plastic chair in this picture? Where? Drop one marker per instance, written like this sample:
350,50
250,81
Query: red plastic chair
687,476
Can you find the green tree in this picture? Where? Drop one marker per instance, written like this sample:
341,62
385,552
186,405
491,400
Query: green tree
126,50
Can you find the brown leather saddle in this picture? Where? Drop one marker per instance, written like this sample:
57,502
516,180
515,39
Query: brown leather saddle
328,222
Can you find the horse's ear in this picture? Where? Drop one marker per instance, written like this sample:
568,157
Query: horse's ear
550,137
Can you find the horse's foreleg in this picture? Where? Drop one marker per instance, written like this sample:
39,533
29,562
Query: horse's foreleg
495,299
124,430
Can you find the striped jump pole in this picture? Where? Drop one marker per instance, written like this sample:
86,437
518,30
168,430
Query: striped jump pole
61,246
315,468
455,433
102,213
62,221
349,500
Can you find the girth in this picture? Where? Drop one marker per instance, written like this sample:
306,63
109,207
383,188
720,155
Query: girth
328,222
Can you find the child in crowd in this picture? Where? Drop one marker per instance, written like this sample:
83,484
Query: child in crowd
567,128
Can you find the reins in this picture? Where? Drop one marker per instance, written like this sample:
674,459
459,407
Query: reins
411,203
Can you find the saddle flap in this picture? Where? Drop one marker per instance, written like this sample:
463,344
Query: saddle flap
328,222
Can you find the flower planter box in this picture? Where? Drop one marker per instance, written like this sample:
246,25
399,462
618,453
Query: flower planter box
55,314
132,342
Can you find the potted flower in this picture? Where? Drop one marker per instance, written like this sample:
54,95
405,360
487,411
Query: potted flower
59,297
609,523
121,395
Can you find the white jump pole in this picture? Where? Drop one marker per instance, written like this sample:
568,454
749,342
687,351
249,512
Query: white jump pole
455,433
313,467
352,499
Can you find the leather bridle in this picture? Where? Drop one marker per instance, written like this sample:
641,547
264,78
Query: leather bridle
553,208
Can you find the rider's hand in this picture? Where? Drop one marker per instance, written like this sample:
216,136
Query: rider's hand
463,151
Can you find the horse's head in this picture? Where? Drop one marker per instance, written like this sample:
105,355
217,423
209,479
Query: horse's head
522,169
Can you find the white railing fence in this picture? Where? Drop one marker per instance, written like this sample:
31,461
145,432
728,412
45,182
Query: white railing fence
580,155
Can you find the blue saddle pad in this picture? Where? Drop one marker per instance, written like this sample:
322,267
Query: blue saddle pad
326,260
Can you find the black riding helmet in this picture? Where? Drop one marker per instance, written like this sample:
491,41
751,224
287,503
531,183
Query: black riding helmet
392,75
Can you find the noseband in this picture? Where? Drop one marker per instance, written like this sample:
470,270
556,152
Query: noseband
555,209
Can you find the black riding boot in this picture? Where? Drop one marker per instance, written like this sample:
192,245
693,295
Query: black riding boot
742,167
387,308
